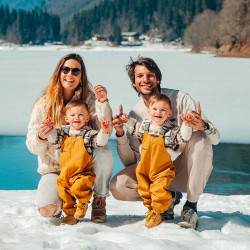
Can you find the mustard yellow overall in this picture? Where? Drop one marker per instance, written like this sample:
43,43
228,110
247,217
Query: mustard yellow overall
76,178
154,173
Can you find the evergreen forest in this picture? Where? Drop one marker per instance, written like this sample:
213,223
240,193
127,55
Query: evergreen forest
21,27
166,19
199,23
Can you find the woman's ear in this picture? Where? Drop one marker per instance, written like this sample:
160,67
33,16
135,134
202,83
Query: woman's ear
66,119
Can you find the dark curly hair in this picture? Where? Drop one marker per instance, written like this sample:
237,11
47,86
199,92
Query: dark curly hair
149,64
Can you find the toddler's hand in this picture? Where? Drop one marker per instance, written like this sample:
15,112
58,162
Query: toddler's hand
194,119
47,121
105,127
187,119
45,128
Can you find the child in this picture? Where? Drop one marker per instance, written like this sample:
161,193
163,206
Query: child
77,141
161,143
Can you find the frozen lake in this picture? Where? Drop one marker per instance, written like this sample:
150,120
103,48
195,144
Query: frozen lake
221,84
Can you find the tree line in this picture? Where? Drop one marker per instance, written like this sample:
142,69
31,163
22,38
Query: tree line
200,22
166,19
22,27
231,27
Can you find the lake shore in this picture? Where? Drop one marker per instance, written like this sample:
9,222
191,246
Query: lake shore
227,50
144,47
236,51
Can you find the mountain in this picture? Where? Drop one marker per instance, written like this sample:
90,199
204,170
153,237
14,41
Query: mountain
65,9
23,4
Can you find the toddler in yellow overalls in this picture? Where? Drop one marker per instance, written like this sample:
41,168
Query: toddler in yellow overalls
160,141
76,141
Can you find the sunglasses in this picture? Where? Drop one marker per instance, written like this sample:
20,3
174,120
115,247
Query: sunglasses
75,71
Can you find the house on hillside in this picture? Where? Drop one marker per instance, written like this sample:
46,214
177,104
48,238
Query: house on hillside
130,39
98,40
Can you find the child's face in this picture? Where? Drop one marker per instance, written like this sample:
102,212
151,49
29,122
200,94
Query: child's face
159,112
77,117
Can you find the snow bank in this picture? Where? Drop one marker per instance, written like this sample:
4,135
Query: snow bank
224,223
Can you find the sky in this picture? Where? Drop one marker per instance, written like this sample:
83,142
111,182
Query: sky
224,223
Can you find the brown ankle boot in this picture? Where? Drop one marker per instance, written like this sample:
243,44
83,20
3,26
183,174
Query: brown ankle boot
81,209
69,220
98,213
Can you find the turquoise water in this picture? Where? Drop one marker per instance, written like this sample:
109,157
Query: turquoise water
231,174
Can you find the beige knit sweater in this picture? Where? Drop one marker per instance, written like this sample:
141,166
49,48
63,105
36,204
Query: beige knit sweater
47,153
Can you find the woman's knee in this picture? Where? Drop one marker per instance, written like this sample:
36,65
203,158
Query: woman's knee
48,210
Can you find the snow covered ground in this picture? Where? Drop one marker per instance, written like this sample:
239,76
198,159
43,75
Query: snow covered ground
224,223
144,47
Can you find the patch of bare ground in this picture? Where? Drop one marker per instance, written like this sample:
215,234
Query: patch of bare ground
236,50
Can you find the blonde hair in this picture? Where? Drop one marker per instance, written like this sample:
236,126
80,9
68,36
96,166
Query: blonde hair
76,103
159,97
53,93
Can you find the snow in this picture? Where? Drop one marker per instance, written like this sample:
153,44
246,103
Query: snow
144,47
224,223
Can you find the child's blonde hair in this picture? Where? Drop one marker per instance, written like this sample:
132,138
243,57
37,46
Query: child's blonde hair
159,97
76,103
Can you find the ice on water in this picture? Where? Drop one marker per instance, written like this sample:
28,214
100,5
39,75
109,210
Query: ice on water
221,84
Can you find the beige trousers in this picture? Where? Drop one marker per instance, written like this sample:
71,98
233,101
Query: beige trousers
192,170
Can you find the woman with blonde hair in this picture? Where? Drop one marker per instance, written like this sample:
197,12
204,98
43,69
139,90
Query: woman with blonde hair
69,82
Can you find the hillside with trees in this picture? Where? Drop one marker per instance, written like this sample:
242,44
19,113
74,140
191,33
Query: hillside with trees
166,19
23,4
22,27
65,9
226,33
219,26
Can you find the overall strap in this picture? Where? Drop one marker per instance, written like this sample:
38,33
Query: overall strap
66,131
147,124
164,130
83,132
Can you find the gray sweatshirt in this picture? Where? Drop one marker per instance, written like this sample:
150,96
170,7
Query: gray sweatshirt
128,146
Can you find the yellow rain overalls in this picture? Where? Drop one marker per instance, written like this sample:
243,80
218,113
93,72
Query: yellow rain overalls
76,178
154,172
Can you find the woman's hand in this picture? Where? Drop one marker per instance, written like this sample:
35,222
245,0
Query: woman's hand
100,93
194,119
45,129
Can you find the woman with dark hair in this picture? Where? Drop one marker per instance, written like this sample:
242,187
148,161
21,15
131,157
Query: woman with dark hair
69,82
